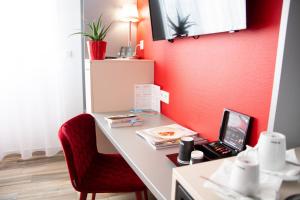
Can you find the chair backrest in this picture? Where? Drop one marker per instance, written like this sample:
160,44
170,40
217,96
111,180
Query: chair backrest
78,139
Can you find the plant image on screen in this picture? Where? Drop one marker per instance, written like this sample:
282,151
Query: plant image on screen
172,19
181,27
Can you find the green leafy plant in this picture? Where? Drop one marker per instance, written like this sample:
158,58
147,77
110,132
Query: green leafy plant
182,26
97,30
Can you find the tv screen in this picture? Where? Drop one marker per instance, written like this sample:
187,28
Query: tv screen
181,18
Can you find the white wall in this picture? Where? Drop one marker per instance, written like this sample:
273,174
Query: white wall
118,34
285,106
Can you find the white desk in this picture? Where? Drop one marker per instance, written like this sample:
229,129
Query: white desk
155,169
152,166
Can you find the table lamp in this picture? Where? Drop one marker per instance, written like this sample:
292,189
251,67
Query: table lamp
129,14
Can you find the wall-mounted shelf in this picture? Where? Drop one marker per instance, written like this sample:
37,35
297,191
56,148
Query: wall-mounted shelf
110,83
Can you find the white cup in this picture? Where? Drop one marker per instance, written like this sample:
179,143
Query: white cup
271,151
244,177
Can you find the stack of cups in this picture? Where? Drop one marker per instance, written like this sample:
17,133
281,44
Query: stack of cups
244,177
186,146
271,151
268,155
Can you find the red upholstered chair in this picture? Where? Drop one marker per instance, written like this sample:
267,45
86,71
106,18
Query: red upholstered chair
90,171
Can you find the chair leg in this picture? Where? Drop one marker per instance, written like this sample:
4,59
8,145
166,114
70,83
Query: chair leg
138,195
145,194
83,196
93,196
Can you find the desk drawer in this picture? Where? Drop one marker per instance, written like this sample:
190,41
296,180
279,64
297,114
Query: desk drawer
181,193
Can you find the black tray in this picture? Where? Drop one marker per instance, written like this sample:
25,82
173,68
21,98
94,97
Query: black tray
173,157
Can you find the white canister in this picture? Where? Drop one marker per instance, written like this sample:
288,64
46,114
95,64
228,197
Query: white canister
271,151
196,157
244,177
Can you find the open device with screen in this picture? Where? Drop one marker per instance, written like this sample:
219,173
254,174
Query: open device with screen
233,136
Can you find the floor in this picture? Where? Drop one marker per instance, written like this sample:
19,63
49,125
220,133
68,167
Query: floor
41,178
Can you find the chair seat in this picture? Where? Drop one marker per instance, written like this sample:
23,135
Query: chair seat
110,173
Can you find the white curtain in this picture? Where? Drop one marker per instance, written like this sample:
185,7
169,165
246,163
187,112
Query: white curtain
40,73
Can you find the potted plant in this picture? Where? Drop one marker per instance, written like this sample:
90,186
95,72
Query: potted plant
96,35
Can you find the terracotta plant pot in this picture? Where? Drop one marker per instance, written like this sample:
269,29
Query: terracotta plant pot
96,49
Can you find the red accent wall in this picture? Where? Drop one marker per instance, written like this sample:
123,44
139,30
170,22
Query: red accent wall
217,71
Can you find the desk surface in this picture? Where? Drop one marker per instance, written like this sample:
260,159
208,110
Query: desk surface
152,166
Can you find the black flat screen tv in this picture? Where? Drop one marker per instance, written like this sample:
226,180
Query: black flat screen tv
182,18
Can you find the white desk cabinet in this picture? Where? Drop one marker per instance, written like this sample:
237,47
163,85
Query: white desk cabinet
188,177
110,83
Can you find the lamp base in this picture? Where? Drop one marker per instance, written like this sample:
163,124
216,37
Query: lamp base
126,52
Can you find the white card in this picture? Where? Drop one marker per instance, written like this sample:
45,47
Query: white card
147,96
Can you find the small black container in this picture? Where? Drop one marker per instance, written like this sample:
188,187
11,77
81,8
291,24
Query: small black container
186,146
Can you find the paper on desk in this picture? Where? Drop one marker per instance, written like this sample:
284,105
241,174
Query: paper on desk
147,97
268,189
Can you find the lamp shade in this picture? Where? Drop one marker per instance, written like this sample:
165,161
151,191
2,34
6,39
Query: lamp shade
129,13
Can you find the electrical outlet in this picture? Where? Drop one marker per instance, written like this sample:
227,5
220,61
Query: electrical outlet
164,96
141,44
